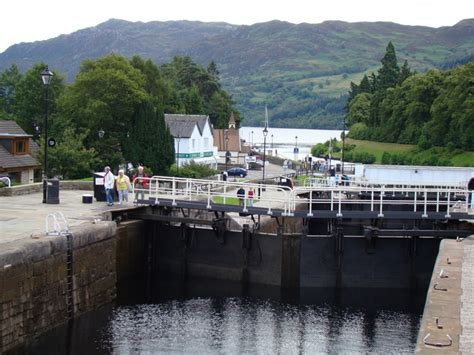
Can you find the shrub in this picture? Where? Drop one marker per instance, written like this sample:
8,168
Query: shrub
359,131
386,158
319,149
360,157
193,170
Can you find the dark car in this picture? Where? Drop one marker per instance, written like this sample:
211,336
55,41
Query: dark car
285,181
237,172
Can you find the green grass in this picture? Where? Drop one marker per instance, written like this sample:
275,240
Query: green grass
460,158
463,159
232,201
90,178
378,148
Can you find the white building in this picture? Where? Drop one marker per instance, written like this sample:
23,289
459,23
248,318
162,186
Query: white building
416,175
193,139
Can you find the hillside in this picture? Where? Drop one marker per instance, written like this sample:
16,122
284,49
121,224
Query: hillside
301,71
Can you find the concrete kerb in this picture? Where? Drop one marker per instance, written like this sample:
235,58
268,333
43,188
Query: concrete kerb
28,250
37,187
441,326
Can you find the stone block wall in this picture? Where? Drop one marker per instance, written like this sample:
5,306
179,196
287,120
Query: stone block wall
27,189
132,247
33,280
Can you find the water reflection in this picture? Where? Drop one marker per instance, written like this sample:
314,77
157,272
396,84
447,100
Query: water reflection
210,317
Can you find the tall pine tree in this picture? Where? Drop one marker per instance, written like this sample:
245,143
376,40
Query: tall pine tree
150,142
389,73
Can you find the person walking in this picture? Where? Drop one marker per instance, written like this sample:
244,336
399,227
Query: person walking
250,195
140,181
109,181
123,186
241,196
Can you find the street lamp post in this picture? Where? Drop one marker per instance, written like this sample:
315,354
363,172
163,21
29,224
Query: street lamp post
265,132
252,139
226,132
177,156
272,142
343,143
296,148
47,77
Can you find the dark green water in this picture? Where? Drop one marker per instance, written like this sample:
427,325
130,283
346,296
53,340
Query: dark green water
211,317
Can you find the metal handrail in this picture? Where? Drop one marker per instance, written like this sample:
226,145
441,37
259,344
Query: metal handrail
176,188
60,224
7,179
422,199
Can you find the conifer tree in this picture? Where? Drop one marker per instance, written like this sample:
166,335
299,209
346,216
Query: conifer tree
150,142
405,72
389,73
365,85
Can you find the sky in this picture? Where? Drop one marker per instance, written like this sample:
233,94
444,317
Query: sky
33,20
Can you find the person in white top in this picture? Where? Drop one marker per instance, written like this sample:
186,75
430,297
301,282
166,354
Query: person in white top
109,181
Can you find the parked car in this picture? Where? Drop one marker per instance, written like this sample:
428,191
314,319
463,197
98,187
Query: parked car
285,181
237,172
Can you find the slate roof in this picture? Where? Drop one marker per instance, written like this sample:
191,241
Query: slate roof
10,127
7,160
183,125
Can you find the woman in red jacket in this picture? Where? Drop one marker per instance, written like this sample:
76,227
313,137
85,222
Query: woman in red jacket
140,183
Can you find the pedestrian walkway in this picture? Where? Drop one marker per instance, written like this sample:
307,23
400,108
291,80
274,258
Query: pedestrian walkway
448,318
24,216
466,341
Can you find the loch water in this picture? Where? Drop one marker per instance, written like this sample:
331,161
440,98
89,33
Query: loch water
203,316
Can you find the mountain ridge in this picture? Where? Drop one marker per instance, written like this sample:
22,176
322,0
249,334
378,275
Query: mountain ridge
302,71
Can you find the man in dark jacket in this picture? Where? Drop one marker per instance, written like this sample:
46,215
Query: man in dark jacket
241,196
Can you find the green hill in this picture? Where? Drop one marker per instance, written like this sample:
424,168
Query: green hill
301,71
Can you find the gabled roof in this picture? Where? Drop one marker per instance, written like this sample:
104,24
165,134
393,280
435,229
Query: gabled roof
7,160
12,128
183,125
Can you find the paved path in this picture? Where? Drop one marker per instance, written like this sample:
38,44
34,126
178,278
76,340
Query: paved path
466,341
447,326
24,216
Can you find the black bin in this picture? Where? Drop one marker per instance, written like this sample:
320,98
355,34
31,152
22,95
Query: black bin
338,168
99,190
52,191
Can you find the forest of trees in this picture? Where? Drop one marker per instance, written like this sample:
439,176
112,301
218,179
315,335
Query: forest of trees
434,109
124,99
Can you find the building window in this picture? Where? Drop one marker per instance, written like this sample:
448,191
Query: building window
194,144
206,143
20,147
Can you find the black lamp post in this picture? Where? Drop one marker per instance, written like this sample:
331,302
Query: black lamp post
226,133
343,143
272,142
265,132
47,77
177,156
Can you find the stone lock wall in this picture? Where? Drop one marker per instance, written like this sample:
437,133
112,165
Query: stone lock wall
34,280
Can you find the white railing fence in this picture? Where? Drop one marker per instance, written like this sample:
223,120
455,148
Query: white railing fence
335,196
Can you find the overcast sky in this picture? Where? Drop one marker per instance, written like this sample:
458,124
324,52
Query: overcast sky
33,20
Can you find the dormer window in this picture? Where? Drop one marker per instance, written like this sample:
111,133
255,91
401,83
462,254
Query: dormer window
20,147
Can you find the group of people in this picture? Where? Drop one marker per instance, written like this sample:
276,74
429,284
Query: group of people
122,184
241,196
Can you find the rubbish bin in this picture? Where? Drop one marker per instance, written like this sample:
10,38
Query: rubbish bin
52,191
99,190
338,168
